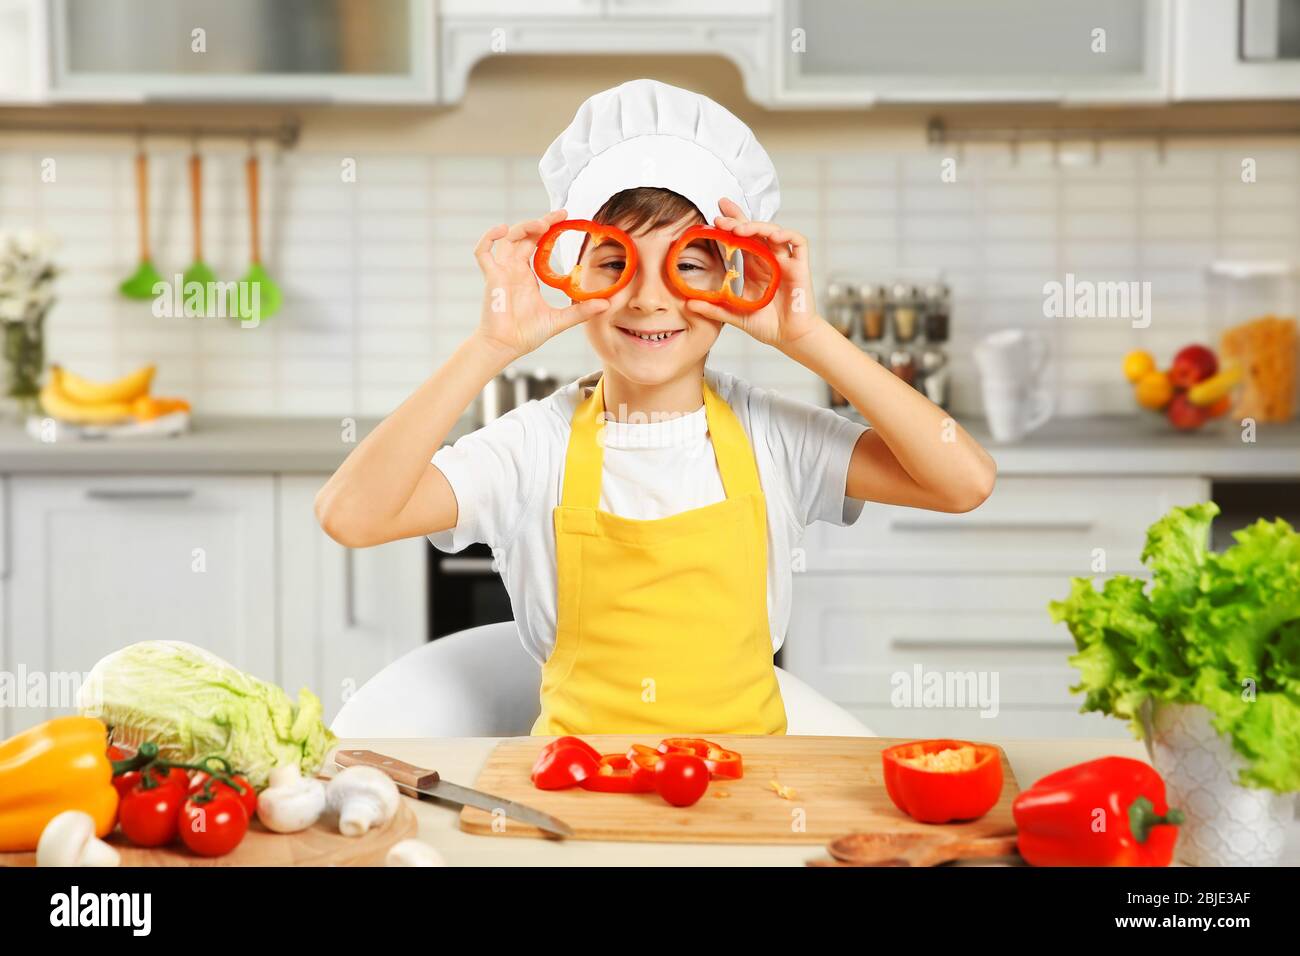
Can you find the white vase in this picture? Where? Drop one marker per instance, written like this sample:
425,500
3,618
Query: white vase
1226,824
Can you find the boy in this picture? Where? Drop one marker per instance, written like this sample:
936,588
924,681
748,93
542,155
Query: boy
643,517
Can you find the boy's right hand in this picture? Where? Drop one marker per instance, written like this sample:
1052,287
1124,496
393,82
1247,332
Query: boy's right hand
515,317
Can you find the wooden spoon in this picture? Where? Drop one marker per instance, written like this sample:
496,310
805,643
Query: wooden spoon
140,285
199,272
916,849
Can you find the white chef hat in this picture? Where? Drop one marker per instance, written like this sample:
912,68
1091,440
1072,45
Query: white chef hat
647,133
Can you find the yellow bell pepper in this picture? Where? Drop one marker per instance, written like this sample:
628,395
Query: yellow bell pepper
60,765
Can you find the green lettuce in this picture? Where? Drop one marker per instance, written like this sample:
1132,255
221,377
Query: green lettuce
1219,630
192,703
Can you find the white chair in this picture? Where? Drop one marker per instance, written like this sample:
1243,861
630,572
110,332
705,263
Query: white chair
481,683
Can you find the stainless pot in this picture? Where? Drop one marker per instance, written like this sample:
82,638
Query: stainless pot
511,389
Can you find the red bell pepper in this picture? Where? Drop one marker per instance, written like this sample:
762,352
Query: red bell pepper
1106,812
938,781
571,284
564,763
721,762
752,247
616,773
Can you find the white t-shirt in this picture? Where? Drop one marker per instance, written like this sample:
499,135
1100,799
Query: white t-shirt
508,475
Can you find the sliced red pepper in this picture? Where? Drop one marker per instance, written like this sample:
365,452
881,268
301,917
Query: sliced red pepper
564,766
921,787
617,774
570,742
571,284
723,295
721,762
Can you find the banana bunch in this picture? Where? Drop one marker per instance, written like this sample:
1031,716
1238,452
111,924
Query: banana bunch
68,397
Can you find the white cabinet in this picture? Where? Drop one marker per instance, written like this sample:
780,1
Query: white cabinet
22,51
381,51
906,598
859,52
1236,49
100,562
345,613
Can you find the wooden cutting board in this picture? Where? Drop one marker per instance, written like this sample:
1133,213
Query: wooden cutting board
319,845
838,783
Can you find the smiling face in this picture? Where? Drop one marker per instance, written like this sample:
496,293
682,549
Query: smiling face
647,335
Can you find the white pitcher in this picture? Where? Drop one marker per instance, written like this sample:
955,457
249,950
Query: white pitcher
1017,390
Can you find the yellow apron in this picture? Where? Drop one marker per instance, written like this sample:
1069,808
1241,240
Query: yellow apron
662,625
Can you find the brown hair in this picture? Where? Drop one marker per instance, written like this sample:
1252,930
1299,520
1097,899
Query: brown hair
646,207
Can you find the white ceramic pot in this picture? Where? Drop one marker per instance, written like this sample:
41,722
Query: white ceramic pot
1226,824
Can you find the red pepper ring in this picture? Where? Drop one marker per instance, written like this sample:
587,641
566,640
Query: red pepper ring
730,243
617,774
571,284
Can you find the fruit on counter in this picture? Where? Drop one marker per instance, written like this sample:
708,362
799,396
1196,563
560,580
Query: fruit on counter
291,802
1154,390
125,389
71,839
148,407
212,827
1215,388
938,781
59,405
1106,812
192,704
364,798
1185,416
150,815
1137,364
56,766
681,778
1207,625
1192,364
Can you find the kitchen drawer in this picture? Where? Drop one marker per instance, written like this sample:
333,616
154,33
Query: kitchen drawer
1031,525
1026,722
852,639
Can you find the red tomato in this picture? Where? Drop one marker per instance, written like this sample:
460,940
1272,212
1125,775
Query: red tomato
213,828
681,779
150,817
126,782
247,796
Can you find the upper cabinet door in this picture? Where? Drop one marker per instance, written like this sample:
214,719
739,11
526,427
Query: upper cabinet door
243,50
1237,49
22,51
858,52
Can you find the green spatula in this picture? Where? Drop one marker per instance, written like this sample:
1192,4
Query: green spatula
257,278
141,283
198,270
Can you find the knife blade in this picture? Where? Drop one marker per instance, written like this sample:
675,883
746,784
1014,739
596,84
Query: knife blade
419,782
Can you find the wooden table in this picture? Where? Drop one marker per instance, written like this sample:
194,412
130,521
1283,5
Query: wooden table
459,759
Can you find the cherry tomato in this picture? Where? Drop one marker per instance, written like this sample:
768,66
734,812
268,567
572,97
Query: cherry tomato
213,828
681,779
127,782
149,817
247,796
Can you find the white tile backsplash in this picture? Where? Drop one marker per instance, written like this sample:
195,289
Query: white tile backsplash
380,283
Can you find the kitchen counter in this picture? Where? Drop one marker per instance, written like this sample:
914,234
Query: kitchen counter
1132,445
459,759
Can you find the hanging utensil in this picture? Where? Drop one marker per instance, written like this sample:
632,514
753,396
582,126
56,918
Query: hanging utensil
198,272
141,283
257,277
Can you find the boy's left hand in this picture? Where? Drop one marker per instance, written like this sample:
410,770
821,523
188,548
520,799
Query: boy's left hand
792,313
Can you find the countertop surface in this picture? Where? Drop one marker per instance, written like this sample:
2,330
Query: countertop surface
1129,445
459,759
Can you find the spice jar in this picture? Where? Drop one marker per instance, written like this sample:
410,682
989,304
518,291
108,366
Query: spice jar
937,309
902,312
843,307
935,376
903,365
873,312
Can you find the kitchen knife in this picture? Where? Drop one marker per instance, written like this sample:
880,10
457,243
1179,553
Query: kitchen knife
418,782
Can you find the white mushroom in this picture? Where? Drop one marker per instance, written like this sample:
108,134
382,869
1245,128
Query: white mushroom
290,803
363,797
413,853
69,840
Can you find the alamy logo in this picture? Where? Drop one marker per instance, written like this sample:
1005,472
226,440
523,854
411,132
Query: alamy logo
945,689
102,909
1083,299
